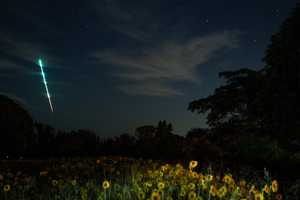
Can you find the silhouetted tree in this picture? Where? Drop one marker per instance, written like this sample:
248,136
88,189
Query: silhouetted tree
45,139
16,127
198,145
282,91
146,145
260,109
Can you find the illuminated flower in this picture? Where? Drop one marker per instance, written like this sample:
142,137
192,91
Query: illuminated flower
195,175
54,182
155,195
148,184
191,186
182,192
242,183
141,195
161,185
227,179
193,164
209,177
252,189
192,195
266,189
274,186
74,182
6,188
222,192
213,190
259,196
105,184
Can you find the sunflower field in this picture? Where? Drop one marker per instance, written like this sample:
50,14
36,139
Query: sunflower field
121,178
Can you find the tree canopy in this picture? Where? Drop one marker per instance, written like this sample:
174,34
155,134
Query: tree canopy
16,126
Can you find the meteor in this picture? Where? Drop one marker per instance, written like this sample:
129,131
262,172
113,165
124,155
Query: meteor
45,83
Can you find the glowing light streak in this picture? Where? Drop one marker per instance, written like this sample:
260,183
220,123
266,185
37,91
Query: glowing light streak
45,83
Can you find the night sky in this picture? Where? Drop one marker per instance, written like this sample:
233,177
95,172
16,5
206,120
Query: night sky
114,65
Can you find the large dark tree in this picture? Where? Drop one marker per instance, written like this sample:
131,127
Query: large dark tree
16,127
255,116
265,101
234,103
282,91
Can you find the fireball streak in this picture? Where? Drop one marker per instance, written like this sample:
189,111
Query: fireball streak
45,83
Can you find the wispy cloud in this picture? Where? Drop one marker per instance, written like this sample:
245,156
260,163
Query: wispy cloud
23,49
133,22
149,88
152,71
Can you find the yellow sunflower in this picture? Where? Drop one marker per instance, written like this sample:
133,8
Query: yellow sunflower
222,192
274,186
141,195
193,164
105,184
155,195
6,188
161,185
54,182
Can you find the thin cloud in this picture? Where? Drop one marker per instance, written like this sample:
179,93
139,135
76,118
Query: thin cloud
152,71
127,21
149,89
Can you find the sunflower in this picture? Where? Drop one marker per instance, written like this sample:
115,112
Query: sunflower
274,186
222,192
6,188
259,196
155,195
148,184
161,185
213,190
209,177
195,175
266,189
193,164
141,195
105,184
191,186
74,182
54,182
182,192
192,195
227,179
242,183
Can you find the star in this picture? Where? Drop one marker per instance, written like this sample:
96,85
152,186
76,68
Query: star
276,12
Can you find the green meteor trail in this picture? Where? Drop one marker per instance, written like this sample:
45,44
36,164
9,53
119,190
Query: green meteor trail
45,83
